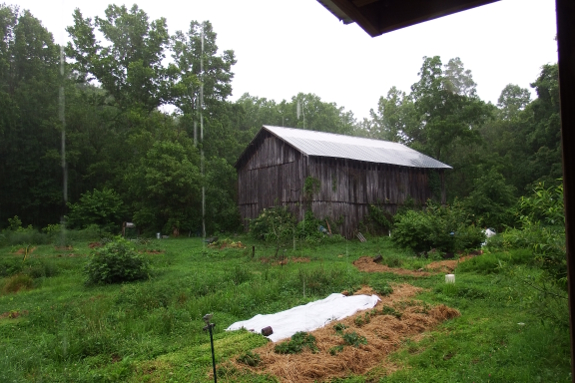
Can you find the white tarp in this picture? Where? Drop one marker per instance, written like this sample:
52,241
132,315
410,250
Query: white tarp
308,317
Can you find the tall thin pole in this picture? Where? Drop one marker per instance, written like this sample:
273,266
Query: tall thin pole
208,327
62,116
213,354
202,137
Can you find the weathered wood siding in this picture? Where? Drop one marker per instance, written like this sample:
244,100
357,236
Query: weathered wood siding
274,174
347,188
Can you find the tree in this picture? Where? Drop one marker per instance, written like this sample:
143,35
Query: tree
319,115
490,200
100,207
512,100
446,108
544,138
30,170
215,72
394,115
458,80
222,212
129,64
166,186
314,114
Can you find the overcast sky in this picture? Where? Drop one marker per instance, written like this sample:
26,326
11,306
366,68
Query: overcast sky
286,47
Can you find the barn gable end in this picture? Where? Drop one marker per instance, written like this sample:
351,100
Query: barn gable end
270,173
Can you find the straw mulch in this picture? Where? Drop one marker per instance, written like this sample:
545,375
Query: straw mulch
368,265
383,332
448,265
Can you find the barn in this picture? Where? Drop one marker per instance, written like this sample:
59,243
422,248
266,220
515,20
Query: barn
337,176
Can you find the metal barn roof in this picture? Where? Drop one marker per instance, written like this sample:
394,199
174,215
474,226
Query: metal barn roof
320,144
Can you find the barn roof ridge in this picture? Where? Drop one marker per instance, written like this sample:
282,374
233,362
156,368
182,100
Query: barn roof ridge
323,144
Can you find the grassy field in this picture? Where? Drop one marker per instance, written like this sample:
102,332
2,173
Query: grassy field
57,329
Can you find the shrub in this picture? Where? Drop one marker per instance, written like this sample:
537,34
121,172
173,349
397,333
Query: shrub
272,224
116,262
445,228
103,208
542,214
309,227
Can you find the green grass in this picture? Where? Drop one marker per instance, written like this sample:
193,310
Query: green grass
152,330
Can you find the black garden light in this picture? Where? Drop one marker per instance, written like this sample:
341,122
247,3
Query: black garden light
208,327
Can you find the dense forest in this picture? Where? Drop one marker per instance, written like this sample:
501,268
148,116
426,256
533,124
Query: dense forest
126,158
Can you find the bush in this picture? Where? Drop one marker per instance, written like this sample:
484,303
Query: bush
103,208
446,229
273,224
542,230
116,262
309,228
542,214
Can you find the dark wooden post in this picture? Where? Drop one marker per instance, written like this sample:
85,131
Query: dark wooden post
566,48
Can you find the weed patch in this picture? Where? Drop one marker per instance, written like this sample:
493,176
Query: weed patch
249,359
18,282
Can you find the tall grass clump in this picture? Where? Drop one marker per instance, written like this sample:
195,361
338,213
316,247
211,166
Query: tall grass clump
18,282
